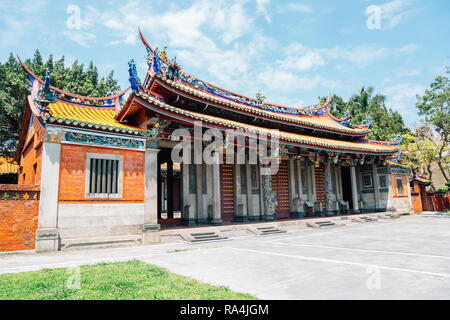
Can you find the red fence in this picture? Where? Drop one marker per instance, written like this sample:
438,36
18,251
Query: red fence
441,203
19,212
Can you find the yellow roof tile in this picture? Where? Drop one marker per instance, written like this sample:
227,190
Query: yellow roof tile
92,115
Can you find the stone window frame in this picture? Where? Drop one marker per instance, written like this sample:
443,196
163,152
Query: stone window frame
397,178
104,156
367,186
384,179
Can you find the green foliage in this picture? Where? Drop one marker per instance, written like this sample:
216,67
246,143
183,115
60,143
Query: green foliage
14,89
441,192
386,122
107,281
435,105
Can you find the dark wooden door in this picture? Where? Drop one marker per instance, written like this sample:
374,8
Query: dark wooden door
347,185
280,185
320,192
227,192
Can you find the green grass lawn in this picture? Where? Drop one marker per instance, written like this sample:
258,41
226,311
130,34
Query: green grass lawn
121,280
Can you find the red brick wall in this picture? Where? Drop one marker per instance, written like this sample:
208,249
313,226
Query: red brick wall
72,174
30,159
19,212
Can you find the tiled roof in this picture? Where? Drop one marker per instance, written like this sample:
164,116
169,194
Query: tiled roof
88,116
321,122
286,136
8,165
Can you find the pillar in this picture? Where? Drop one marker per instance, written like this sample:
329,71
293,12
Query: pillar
239,210
355,198
151,227
250,213
188,214
47,234
217,209
169,181
292,194
268,197
376,187
328,189
201,214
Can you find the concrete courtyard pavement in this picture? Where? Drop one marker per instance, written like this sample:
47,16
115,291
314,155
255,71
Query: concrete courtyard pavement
406,258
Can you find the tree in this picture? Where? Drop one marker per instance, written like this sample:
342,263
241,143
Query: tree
421,150
386,122
435,107
14,89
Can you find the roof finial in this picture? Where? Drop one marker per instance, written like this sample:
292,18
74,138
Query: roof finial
47,79
134,79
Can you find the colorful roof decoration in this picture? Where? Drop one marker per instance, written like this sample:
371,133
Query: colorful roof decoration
8,165
52,105
182,115
160,66
37,85
102,118
421,181
319,117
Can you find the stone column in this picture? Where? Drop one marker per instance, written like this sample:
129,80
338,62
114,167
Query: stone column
187,213
408,187
292,194
250,212
217,209
47,234
239,211
312,178
269,199
376,187
201,215
261,198
301,211
328,189
151,227
300,182
390,206
169,181
355,198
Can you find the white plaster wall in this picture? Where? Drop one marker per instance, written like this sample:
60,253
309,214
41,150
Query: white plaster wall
100,220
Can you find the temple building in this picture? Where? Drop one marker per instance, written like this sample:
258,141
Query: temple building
107,174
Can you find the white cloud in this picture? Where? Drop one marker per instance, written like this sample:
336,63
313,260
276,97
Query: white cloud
295,7
402,98
394,12
80,37
300,57
408,73
261,7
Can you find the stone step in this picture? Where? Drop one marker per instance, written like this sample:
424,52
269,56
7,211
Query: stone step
272,231
207,236
202,236
364,219
266,230
321,224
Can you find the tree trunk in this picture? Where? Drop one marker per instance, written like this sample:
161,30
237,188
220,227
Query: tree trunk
443,171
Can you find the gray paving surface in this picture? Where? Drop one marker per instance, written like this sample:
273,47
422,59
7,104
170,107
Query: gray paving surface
406,258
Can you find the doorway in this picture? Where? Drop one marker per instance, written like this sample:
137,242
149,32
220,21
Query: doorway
347,186
169,179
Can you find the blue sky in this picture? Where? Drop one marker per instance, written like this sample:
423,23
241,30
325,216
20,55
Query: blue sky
292,51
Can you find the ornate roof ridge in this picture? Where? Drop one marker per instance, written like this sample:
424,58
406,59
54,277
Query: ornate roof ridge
301,120
355,147
69,94
158,63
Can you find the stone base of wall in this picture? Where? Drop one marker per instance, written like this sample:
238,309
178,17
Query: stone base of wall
19,212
